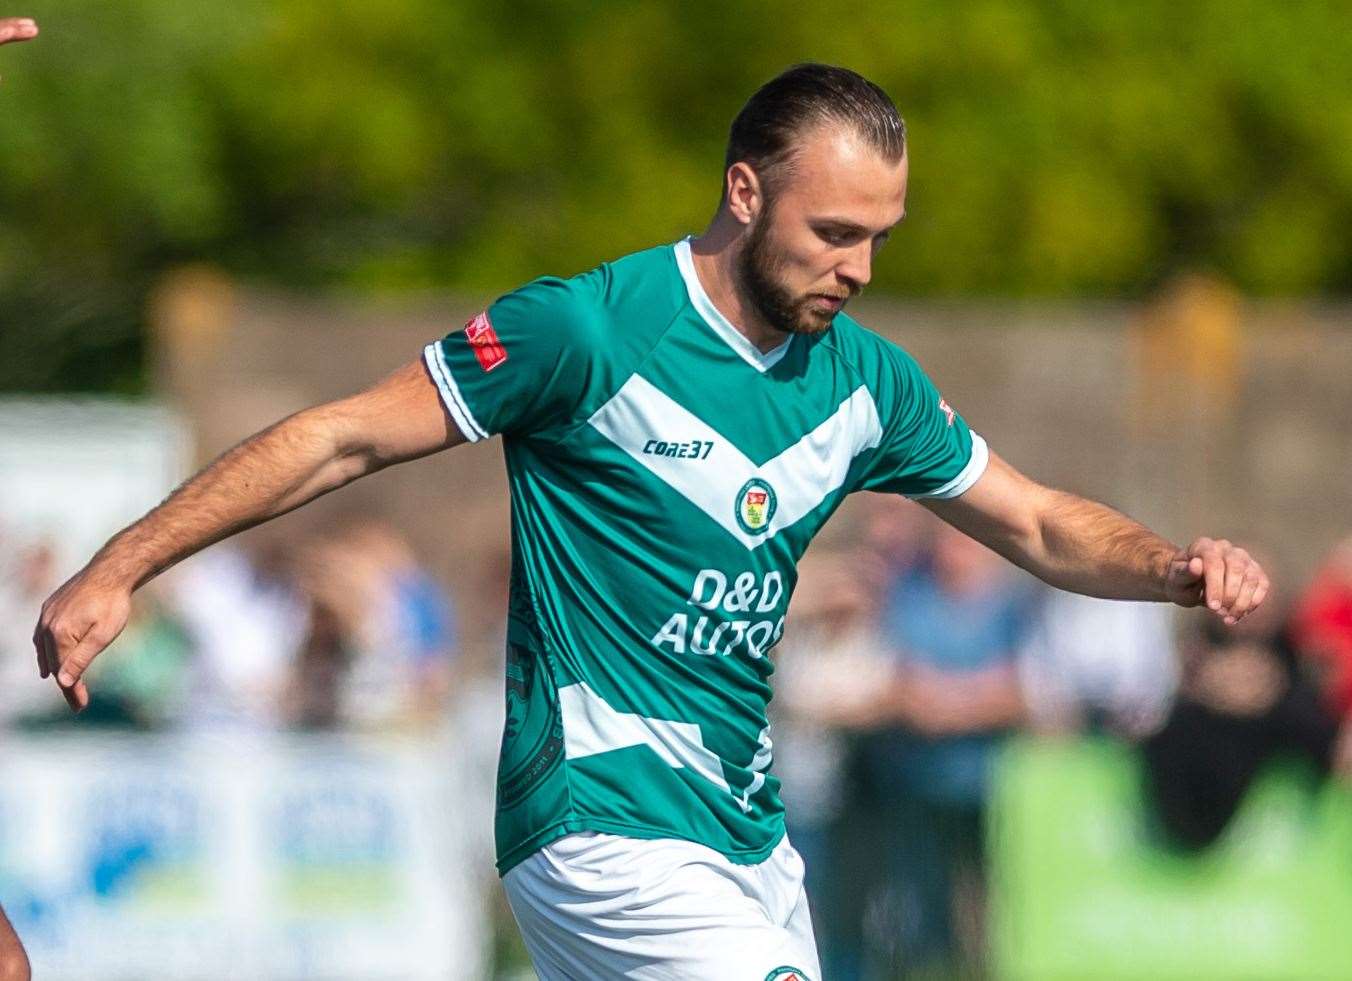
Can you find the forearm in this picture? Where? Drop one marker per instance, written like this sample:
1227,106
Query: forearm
1064,540
272,472
1089,548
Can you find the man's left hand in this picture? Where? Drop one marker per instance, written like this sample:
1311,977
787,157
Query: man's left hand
1220,575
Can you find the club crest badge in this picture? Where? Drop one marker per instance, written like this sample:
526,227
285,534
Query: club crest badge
786,973
755,506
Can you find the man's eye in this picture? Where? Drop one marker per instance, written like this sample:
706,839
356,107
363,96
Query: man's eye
834,236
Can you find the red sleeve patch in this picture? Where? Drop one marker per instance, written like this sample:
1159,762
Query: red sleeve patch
483,340
943,407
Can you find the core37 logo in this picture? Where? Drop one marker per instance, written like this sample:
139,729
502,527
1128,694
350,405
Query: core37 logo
695,449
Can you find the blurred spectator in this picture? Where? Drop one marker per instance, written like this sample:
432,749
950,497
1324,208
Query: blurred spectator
146,684
1243,701
27,576
246,622
1098,664
342,629
954,625
381,637
1321,630
827,668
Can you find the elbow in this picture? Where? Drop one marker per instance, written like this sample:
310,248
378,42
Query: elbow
1036,534
346,451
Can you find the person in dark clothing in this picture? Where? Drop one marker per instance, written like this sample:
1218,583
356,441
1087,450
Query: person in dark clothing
1244,701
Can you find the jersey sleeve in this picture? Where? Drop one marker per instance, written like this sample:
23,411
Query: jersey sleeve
926,449
520,367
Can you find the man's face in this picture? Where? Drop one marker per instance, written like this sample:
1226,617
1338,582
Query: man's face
811,246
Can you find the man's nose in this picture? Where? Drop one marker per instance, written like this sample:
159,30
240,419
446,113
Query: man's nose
857,268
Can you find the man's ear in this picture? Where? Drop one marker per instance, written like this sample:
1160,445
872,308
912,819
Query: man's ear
745,193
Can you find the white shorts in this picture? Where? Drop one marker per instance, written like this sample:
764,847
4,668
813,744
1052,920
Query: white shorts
593,907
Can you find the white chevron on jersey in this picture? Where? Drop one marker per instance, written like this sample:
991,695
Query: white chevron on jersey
592,726
802,476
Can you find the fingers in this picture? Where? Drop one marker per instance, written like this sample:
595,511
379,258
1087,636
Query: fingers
17,29
1236,570
76,696
1260,593
68,676
1213,570
1251,594
40,645
1188,585
68,669
1233,583
73,665
72,631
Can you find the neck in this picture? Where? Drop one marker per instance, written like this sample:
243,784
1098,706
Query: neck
715,255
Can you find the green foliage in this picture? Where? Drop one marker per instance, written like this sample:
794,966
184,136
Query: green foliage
1059,148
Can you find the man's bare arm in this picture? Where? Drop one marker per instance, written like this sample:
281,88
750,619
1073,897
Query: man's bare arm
1086,547
275,471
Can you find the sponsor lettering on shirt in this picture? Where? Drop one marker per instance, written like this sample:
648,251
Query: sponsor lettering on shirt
695,449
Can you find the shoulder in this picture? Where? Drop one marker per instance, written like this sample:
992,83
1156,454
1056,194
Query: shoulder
881,363
587,308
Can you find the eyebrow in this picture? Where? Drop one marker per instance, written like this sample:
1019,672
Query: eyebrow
842,223
854,227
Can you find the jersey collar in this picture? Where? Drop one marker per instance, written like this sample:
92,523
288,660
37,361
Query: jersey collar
734,338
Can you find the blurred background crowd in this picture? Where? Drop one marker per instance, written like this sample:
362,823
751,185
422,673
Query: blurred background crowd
1125,261
913,654
343,630
917,652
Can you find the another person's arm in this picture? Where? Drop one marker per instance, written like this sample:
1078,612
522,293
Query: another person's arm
1085,547
275,471
13,961
940,704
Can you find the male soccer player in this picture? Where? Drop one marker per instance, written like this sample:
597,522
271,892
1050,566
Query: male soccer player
13,960
677,425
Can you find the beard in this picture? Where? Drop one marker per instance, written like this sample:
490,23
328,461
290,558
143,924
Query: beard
760,269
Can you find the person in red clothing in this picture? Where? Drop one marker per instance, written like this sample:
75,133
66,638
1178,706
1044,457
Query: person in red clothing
1321,629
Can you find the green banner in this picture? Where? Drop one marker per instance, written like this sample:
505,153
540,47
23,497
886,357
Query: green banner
1082,886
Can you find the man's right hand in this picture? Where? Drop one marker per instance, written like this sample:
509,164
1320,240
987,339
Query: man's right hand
17,29
77,622
273,472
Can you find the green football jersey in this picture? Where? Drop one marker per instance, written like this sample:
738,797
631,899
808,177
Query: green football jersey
665,478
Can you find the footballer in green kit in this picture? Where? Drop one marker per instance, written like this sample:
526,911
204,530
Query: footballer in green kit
677,425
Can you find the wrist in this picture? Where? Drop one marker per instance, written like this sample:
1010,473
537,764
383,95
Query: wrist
113,569
1162,560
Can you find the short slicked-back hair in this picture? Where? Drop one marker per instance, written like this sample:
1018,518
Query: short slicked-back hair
766,131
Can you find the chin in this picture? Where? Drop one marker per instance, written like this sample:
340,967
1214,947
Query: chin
814,325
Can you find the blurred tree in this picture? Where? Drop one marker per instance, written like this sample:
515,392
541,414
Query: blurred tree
1058,148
